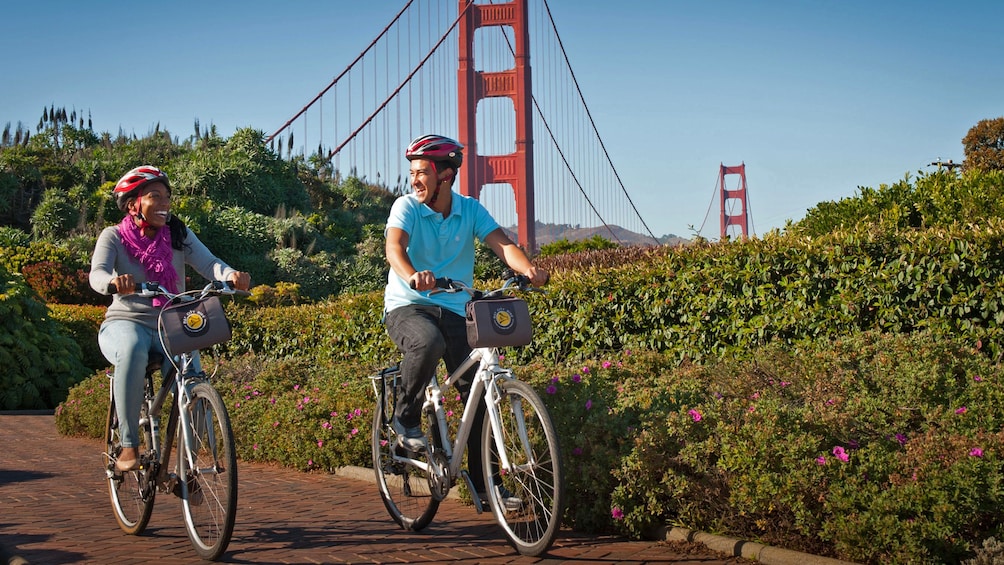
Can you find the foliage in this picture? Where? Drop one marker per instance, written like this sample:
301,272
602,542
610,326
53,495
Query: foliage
984,145
81,323
563,246
84,413
38,362
13,237
55,215
874,447
936,200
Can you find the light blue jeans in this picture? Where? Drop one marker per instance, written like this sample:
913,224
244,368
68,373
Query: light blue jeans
127,346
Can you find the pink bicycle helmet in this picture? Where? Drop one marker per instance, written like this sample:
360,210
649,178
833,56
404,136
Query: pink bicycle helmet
436,148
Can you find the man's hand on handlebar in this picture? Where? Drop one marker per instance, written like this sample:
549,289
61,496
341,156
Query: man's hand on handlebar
538,277
422,280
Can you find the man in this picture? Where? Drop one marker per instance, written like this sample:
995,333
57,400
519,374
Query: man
430,233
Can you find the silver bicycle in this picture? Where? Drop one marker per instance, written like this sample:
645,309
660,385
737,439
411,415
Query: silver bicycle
521,457
205,474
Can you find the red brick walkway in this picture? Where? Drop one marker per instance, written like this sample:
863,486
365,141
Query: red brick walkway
54,509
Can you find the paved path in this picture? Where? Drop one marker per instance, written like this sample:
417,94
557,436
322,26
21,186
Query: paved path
54,509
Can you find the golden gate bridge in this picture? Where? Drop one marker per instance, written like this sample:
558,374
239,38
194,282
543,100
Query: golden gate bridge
534,156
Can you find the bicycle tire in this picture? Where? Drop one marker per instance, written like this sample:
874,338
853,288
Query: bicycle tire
131,493
209,490
535,477
404,489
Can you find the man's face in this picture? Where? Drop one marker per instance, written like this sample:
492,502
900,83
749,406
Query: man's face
423,179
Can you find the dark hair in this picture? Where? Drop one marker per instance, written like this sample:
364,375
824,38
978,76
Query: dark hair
178,232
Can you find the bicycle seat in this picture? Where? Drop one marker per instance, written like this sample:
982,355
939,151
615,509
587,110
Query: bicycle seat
155,361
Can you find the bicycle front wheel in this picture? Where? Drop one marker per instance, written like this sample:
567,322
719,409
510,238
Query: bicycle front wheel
207,473
404,488
526,497
132,493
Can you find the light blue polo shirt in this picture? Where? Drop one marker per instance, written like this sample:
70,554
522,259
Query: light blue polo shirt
443,246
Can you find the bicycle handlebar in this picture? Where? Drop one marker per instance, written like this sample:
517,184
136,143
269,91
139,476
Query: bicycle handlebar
512,280
150,289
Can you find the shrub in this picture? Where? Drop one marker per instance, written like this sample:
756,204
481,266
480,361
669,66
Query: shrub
38,362
85,410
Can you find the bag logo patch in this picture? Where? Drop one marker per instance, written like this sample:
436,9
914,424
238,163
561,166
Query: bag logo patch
504,320
194,322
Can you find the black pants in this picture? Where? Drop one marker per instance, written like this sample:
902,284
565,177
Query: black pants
425,335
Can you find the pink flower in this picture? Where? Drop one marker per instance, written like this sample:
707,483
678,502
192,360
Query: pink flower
821,460
977,378
960,410
320,443
354,431
694,414
585,370
840,454
976,452
606,364
617,513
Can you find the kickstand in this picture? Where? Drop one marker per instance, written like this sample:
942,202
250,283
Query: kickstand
474,494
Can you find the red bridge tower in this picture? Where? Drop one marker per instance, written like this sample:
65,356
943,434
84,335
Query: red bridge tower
741,219
515,169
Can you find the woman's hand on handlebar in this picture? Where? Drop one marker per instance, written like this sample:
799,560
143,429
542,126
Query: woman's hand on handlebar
240,280
122,284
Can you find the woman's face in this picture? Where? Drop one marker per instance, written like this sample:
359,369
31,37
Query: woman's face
154,203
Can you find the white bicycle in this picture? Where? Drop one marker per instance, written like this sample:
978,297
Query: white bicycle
521,457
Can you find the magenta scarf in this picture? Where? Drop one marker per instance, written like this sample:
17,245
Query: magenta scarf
154,254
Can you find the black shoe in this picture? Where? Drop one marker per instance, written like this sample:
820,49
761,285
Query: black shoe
505,500
411,439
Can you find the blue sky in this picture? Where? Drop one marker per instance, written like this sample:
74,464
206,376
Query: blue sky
817,98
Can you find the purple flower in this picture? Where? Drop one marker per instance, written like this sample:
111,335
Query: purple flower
840,454
901,439
976,452
551,389
576,378
554,379
576,451
694,414
617,513
589,404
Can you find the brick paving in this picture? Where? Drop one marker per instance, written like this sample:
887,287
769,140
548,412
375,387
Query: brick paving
54,509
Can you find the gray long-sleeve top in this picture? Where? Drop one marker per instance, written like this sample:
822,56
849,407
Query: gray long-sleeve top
111,259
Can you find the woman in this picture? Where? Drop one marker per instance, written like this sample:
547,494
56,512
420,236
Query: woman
149,244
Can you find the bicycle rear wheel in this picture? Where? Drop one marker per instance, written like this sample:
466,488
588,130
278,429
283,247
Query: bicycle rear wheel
208,472
132,493
527,498
404,488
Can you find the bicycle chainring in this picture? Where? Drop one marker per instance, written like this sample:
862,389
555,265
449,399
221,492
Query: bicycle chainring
440,481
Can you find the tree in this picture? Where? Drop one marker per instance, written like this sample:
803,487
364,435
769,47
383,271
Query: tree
984,146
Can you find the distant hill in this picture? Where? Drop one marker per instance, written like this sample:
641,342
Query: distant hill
549,233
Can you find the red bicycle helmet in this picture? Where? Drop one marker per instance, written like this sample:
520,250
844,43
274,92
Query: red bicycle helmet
436,148
138,177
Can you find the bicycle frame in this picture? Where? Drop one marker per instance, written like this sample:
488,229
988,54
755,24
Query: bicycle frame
484,385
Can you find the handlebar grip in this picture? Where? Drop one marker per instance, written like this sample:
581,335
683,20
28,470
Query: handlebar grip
441,282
